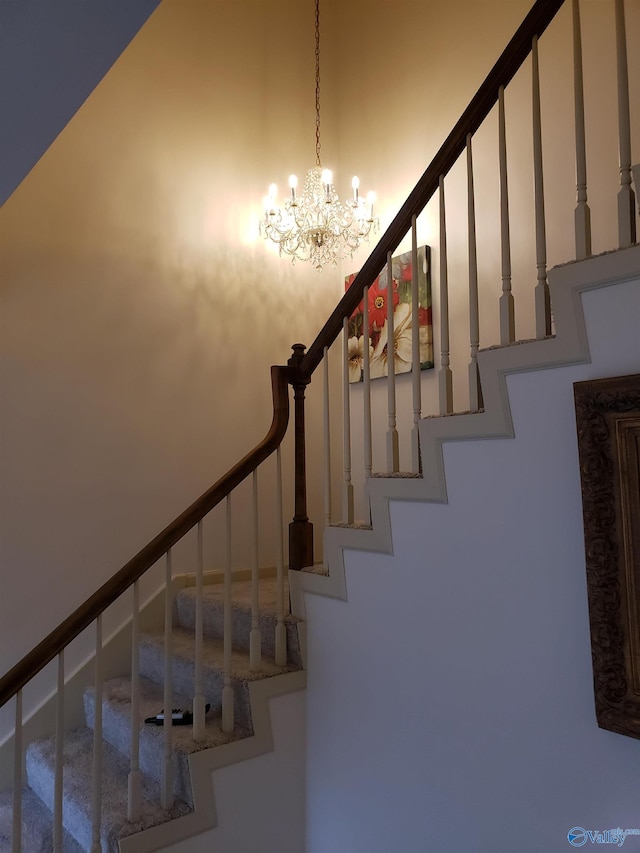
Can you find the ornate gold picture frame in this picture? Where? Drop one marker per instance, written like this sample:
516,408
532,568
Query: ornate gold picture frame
608,422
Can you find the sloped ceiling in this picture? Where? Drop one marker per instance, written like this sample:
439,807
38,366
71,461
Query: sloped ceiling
52,56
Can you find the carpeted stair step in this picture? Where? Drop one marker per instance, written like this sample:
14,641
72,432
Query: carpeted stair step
152,667
213,615
37,825
77,789
116,729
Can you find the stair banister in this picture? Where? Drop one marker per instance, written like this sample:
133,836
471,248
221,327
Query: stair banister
415,354
300,529
17,776
626,195
475,390
513,56
582,214
542,297
83,616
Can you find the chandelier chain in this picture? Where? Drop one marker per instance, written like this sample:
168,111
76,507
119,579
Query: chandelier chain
318,82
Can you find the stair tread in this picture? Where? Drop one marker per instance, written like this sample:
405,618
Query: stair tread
397,475
116,729
116,693
241,615
213,595
77,788
213,655
37,825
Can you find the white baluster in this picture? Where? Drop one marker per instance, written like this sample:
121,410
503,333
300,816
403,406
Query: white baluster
227,690
255,650
16,837
166,793
96,805
134,802
542,300
59,773
198,698
367,443
475,393
281,631
445,377
582,213
327,442
393,463
347,486
626,196
507,311
415,351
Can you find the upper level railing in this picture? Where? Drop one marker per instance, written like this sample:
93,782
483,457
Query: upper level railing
518,49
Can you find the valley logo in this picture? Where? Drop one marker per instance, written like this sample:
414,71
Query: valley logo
578,836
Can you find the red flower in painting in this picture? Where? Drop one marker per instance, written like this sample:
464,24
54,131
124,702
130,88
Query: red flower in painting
378,304
424,316
406,273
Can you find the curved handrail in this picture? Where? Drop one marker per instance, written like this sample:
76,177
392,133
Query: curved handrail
539,17
83,616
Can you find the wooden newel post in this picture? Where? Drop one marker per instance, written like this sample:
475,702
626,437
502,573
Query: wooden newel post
300,529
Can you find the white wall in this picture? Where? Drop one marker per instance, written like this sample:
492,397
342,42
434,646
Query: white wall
261,802
450,700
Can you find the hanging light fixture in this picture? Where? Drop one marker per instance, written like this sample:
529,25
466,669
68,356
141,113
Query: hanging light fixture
315,225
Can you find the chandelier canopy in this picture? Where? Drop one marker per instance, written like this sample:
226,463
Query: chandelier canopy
315,225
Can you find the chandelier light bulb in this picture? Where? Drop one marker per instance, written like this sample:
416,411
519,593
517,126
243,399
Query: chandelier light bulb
327,177
371,199
293,183
273,192
355,184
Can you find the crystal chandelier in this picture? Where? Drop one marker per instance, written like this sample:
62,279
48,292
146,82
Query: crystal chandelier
315,225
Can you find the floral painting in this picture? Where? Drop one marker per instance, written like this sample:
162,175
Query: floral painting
400,293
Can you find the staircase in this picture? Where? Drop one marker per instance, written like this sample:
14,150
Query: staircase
80,779
38,802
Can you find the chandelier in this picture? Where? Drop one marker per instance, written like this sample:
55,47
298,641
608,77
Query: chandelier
315,225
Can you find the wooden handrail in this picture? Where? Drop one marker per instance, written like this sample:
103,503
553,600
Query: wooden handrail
535,23
44,652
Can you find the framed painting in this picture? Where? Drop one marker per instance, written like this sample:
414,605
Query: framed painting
399,289
608,422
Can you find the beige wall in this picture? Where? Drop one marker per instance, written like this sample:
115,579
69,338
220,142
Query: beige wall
140,312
